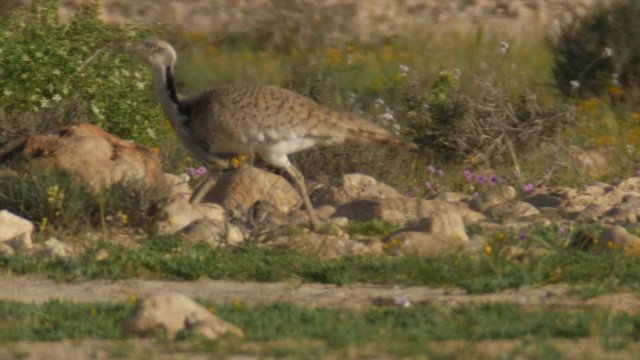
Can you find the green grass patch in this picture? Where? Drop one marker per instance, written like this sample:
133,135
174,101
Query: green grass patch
169,257
395,331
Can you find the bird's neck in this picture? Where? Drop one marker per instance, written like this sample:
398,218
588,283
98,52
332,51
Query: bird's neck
166,89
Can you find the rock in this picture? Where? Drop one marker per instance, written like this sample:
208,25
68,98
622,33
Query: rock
446,223
543,201
618,238
173,313
423,244
496,196
178,186
395,209
57,249
179,215
524,255
327,246
357,186
212,232
241,188
15,231
89,153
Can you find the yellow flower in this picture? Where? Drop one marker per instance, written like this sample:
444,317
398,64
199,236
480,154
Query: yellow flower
472,160
500,236
132,298
155,149
212,309
595,241
94,312
237,303
615,90
488,249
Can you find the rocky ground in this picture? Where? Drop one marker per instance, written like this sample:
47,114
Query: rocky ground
429,226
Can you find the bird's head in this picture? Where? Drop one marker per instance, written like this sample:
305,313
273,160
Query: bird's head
155,52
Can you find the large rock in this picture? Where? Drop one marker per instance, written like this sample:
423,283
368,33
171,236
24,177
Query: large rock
327,246
357,186
240,189
180,214
15,232
174,313
89,153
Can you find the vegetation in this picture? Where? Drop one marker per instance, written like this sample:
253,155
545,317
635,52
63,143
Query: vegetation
483,109
384,330
53,73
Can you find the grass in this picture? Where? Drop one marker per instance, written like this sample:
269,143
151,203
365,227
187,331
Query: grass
480,273
393,331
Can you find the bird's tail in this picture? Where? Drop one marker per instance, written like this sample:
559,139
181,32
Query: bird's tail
361,131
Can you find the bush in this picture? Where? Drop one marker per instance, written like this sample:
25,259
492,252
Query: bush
54,200
600,51
70,70
453,126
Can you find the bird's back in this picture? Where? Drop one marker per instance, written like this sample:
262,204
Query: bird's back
244,118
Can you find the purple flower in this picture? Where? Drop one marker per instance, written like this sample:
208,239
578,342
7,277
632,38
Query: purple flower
194,173
431,169
522,237
427,184
469,175
562,230
528,187
440,172
481,178
409,194
547,174
493,180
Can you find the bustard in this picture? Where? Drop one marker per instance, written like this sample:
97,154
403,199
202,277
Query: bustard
254,119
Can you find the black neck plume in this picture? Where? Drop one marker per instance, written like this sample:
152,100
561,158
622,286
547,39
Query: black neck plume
171,86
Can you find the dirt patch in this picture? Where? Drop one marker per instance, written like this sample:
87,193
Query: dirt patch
356,296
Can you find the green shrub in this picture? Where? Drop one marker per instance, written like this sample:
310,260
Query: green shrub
55,201
73,68
599,50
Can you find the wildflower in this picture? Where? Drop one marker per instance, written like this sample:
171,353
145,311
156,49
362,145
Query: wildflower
528,187
469,175
431,169
428,184
607,52
481,179
562,230
55,72
544,295
378,102
44,103
440,172
504,46
404,70
488,249
94,312
401,301
501,236
56,98
522,237
237,303
493,180
387,116
574,85
132,298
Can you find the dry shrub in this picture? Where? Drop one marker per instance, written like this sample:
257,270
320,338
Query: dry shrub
487,124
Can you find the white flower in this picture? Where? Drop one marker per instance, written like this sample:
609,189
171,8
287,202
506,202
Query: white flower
44,103
504,46
378,102
388,115
140,85
404,70
56,72
574,84
56,98
607,52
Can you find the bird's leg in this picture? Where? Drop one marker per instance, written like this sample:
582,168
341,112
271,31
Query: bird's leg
202,190
297,177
